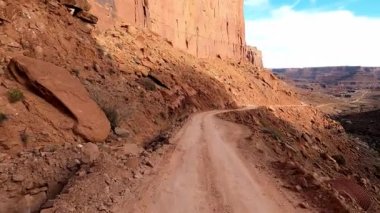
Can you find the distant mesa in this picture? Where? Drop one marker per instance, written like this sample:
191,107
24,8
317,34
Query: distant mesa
354,76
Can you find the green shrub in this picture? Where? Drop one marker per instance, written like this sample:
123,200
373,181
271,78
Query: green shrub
273,131
276,134
15,95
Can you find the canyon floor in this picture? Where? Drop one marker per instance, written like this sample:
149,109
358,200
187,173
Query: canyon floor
353,100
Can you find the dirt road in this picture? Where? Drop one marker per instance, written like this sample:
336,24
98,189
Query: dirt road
205,173
357,100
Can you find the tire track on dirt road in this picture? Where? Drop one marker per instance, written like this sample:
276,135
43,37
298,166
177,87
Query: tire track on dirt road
206,173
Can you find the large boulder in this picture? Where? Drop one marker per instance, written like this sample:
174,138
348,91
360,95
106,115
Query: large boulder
90,153
57,86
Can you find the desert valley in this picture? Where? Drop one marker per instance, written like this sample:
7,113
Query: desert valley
349,94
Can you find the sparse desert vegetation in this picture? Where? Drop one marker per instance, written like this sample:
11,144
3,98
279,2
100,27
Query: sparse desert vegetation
15,95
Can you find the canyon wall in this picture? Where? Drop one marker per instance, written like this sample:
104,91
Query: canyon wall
204,28
254,56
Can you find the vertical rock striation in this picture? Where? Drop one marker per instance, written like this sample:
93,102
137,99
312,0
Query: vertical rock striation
204,28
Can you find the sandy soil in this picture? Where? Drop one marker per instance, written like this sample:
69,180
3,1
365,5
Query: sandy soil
205,173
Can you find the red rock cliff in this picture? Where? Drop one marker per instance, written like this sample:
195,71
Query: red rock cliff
205,28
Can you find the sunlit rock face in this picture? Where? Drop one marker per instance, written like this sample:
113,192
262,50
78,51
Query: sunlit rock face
204,28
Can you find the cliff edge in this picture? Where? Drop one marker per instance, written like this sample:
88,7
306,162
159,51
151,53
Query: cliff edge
205,29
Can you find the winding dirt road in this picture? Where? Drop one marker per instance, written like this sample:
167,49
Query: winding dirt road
357,100
205,173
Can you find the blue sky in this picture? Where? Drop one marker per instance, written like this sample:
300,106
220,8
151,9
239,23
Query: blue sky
301,33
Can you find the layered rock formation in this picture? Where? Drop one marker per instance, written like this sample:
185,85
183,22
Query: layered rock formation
354,76
204,28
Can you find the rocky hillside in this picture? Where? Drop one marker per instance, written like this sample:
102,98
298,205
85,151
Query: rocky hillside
364,125
90,97
66,81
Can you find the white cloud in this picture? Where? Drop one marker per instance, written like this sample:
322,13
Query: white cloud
292,38
255,3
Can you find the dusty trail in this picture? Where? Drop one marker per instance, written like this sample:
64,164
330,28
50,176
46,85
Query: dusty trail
358,99
205,173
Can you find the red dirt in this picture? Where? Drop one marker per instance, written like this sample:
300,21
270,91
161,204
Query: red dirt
305,152
205,173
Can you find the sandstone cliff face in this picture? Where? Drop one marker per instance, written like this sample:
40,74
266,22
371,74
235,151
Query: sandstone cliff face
254,56
204,28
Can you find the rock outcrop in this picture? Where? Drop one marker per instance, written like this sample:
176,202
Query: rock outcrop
254,56
78,4
207,28
59,87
